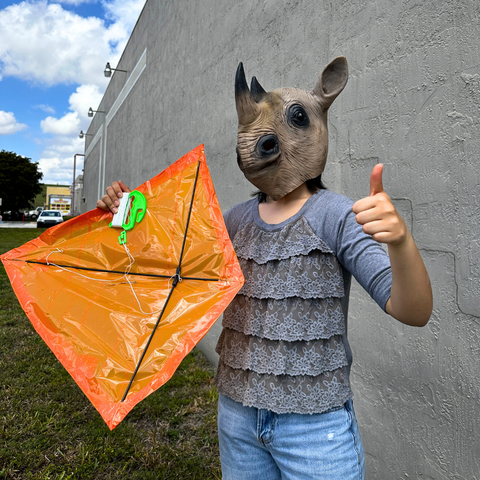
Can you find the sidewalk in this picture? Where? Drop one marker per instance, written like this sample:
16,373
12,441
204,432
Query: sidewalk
18,224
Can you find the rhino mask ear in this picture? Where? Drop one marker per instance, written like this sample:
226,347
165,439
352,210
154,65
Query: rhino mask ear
247,108
332,81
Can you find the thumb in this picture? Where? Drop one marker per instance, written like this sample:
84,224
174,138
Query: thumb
376,184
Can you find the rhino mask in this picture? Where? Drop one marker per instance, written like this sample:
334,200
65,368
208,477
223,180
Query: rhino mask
282,134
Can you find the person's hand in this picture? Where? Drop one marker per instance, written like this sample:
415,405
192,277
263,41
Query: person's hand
109,202
377,214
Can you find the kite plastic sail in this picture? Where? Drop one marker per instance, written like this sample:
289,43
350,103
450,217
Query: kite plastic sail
121,307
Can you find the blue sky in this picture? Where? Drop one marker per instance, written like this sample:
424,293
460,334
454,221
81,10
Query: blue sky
52,56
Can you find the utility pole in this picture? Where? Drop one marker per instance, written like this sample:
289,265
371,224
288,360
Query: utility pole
72,209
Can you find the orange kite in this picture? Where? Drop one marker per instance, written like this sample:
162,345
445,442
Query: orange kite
120,317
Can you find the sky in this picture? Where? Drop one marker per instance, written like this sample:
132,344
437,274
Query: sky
52,57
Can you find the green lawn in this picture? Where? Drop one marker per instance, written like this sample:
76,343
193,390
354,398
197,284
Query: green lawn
49,429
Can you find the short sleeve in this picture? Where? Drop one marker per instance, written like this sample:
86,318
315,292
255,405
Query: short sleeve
235,215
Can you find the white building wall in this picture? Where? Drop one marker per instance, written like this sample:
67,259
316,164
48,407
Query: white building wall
412,102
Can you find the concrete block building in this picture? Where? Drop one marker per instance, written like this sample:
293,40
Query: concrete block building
412,102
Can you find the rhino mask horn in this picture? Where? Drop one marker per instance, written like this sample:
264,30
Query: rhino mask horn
257,90
247,108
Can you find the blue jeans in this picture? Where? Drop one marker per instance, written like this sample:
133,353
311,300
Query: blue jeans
257,444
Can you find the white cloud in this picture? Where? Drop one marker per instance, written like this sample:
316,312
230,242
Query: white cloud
56,162
75,2
124,12
81,100
45,108
8,124
67,125
44,43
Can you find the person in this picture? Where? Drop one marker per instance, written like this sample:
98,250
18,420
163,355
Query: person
285,402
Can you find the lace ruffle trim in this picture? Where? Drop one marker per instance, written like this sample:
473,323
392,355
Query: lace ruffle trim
260,355
284,394
286,319
254,243
317,275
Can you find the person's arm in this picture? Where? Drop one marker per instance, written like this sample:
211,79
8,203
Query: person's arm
110,200
411,298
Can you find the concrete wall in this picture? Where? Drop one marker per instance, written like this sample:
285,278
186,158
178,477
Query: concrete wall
412,102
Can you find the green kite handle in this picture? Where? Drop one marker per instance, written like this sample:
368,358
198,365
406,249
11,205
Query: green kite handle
137,210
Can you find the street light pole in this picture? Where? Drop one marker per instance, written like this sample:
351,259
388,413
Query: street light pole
72,209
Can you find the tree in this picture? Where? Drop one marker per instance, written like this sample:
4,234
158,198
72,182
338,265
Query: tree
19,181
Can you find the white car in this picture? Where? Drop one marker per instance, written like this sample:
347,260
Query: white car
47,218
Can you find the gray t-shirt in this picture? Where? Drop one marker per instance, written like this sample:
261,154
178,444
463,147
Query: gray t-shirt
284,341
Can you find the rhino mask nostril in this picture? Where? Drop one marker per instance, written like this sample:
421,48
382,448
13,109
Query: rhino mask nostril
267,145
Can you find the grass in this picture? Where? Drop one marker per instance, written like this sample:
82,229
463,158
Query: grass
49,429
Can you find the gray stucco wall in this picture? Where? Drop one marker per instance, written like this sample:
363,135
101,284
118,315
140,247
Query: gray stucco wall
413,103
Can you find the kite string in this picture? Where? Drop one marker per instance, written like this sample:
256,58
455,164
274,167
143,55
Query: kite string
124,276
127,271
76,273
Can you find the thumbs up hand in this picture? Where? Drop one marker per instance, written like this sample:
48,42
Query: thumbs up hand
411,299
377,214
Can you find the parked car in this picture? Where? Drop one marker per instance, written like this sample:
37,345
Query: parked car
33,214
12,216
47,218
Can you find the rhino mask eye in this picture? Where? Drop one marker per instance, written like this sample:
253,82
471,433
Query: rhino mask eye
297,116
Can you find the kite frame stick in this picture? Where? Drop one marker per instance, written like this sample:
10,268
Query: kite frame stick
114,271
177,279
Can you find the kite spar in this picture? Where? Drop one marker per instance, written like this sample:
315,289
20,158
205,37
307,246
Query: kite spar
177,278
